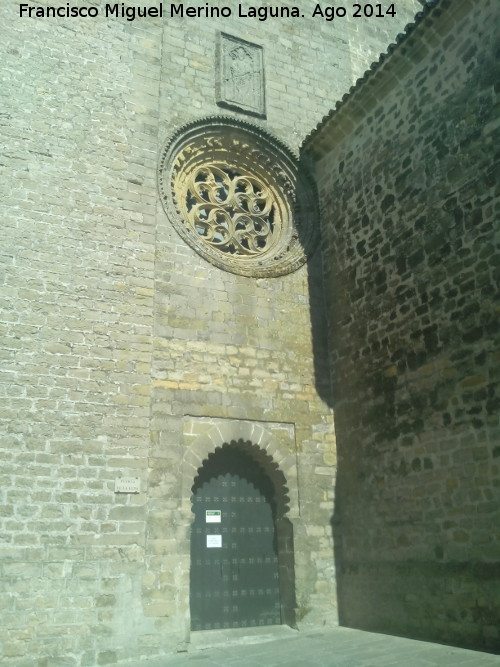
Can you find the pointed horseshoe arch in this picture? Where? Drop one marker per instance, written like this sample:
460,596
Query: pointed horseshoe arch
278,463
247,456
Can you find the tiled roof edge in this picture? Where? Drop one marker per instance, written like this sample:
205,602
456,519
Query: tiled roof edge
431,7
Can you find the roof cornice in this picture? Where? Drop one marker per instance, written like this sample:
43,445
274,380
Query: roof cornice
384,74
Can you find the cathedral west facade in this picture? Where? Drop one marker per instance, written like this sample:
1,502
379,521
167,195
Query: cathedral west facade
251,345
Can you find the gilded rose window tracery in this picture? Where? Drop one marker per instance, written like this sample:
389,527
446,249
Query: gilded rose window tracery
232,194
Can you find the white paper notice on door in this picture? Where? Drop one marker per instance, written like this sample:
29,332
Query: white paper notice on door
214,541
213,516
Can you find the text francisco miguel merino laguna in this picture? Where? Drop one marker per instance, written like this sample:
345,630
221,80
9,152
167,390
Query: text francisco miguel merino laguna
130,12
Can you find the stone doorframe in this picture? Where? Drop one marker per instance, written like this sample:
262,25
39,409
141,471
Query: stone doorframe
277,457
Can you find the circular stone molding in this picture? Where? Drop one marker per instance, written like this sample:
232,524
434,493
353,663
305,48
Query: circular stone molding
237,196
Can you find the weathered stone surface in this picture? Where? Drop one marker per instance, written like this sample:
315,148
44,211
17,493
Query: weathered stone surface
113,329
410,248
240,75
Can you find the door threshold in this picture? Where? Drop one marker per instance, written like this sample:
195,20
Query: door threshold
204,639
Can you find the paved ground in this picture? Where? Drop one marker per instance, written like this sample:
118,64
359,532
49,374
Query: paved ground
337,647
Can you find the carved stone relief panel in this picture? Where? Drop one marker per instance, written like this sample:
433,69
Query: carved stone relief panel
237,196
240,75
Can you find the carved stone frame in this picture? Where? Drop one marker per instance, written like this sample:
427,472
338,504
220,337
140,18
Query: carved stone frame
278,463
255,103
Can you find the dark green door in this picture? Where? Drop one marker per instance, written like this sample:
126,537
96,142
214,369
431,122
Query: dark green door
234,563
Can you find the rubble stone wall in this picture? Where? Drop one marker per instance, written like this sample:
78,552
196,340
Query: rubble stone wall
410,215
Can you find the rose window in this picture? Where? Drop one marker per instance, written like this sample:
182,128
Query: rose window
237,198
232,212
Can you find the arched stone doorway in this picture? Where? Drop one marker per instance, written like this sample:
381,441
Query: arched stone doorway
234,574
245,577
275,453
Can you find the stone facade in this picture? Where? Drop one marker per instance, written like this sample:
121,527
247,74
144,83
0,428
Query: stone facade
411,257
127,354
123,347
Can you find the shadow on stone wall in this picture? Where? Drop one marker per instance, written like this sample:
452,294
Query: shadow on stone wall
416,491
410,245
317,310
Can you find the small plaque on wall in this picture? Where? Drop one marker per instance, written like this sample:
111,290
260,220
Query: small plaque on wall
240,75
127,485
